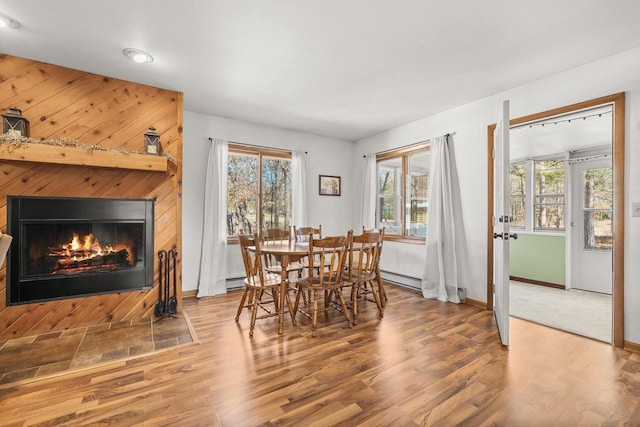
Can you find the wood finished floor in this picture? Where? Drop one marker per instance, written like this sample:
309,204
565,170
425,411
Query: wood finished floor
426,363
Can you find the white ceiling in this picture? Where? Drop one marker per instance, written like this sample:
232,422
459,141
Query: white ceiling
346,69
578,131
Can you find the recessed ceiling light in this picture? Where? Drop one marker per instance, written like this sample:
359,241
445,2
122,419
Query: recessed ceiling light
137,55
8,22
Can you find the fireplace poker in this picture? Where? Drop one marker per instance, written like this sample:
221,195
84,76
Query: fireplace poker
173,301
167,267
159,309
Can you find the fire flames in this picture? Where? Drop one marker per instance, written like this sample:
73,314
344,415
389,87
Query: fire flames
86,253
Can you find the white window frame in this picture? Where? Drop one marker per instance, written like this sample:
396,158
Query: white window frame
529,196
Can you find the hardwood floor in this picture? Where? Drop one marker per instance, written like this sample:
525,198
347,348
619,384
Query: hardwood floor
425,363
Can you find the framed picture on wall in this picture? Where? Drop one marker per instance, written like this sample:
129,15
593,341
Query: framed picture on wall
329,185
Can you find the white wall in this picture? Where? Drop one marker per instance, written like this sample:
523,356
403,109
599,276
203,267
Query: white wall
326,156
618,73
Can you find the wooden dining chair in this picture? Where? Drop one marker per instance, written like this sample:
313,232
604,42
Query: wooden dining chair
383,294
259,284
302,234
273,236
325,276
362,269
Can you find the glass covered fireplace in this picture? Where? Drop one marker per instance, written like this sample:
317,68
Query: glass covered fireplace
74,247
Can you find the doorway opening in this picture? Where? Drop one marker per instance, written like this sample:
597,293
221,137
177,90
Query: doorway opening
567,206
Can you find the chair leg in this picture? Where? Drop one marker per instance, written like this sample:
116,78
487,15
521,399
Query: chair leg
314,316
292,313
378,299
297,303
276,299
355,291
242,301
344,308
383,294
254,310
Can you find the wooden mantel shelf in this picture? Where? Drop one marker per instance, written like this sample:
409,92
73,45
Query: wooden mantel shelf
67,155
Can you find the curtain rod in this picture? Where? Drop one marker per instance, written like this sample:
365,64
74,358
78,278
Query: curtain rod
258,146
410,145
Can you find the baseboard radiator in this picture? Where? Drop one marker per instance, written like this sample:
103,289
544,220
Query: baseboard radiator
408,282
401,280
413,283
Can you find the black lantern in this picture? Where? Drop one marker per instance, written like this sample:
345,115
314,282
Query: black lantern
152,141
14,124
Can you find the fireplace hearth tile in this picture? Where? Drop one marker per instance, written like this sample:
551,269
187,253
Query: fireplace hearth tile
40,356
116,354
53,368
49,336
101,327
20,341
37,353
185,339
84,360
123,324
18,375
142,349
74,331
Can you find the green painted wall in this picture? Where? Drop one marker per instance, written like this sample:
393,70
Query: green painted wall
538,257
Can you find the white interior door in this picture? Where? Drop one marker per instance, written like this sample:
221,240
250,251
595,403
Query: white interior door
591,226
500,220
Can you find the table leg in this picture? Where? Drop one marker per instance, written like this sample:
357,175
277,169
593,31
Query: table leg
283,289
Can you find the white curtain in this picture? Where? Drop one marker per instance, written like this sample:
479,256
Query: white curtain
369,189
213,259
446,262
298,189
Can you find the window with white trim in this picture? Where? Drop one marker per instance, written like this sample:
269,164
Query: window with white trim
537,198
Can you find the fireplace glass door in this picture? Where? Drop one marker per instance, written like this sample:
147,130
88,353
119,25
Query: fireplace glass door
74,247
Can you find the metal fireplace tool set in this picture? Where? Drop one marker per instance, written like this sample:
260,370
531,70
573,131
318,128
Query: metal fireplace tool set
167,306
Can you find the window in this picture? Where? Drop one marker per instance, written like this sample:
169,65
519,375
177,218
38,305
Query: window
518,184
259,189
402,192
549,200
597,208
537,199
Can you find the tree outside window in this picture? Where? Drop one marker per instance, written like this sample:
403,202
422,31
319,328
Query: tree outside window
518,183
549,201
537,195
598,208
259,190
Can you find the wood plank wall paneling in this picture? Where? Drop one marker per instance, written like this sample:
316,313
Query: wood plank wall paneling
95,110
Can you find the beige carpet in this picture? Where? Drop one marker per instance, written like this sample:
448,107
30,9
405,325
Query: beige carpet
584,313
